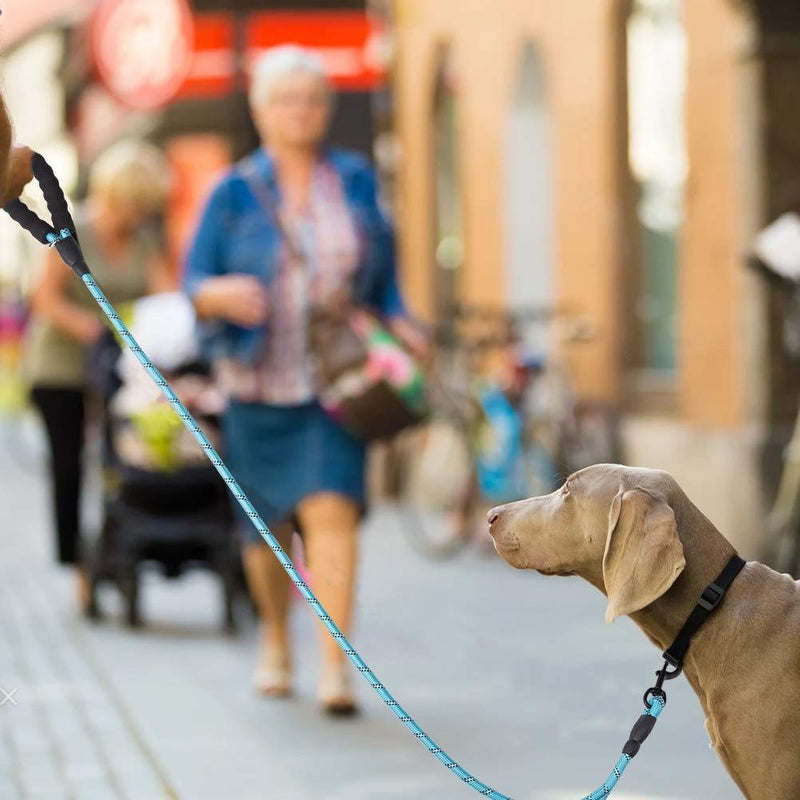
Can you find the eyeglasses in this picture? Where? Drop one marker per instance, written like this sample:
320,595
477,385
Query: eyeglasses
312,101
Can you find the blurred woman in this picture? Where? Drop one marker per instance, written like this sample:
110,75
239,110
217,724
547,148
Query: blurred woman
295,224
128,187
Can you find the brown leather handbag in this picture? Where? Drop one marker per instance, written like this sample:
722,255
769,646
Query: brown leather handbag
379,397
336,347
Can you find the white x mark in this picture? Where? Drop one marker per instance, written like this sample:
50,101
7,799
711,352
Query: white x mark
8,696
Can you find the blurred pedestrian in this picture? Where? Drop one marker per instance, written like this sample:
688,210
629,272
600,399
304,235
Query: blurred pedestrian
128,187
295,224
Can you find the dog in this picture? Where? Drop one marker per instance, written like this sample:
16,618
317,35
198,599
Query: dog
635,536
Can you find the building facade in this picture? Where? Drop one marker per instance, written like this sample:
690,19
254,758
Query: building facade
604,158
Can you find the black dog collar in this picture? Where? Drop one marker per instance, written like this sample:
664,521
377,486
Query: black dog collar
706,605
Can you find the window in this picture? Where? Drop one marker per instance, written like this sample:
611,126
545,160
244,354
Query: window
657,157
529,212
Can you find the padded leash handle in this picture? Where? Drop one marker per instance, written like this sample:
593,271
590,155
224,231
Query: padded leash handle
61,232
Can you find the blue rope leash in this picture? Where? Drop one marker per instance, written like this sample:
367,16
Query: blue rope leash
654,710
63,238
656,704
348,649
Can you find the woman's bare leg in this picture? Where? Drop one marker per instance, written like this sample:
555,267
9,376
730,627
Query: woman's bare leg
269,587
330,534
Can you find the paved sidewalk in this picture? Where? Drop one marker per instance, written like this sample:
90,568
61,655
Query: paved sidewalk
64,732
515,675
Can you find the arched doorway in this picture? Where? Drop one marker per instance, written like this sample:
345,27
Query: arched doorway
529,197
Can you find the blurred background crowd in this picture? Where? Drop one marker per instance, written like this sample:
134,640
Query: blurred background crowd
623,186
577,190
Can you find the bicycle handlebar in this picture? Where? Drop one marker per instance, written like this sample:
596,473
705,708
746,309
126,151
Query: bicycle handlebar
465,312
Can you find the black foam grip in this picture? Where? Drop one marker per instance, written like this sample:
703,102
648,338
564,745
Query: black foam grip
641,730
53,193
68,246
21,214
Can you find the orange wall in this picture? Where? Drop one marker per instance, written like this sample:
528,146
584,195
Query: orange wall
711,270
488,41
578,52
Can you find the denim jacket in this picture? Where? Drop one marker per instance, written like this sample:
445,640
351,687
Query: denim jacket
236,235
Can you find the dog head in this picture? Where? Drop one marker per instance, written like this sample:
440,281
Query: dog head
613,525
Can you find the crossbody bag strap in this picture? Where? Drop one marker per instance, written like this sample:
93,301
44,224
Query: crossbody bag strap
269,203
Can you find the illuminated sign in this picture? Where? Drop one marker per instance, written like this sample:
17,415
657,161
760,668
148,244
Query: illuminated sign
143,49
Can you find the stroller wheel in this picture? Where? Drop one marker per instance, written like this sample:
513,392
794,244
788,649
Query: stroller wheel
92,609
129,584
229,627
229,590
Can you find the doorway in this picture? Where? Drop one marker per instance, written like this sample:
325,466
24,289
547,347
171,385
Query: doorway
529,199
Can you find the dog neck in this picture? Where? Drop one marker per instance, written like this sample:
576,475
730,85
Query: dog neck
706,552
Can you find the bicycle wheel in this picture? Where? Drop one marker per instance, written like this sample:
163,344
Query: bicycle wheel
541,475
440,492
787,556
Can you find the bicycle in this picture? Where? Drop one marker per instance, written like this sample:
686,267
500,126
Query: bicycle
504,426
783,520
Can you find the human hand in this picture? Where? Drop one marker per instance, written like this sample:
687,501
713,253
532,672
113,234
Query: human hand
89,329
19,174
240,299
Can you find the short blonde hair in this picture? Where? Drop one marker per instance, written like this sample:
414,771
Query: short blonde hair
277,63
133,173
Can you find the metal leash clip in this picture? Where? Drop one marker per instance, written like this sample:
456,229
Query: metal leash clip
663,674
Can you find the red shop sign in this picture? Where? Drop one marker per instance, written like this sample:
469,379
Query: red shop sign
351,43
213,68
143,49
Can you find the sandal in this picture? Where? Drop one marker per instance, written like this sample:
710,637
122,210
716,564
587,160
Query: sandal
335,693
273,676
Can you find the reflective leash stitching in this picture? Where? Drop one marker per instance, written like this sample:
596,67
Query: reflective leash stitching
656,703
61,235
259,524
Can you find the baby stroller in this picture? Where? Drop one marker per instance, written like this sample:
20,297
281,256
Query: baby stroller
163,504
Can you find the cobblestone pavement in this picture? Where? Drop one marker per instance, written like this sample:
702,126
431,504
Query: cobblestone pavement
515,675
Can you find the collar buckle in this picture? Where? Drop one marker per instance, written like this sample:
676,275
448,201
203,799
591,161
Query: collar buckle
711,597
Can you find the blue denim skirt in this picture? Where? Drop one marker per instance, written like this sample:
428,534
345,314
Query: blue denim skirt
283,454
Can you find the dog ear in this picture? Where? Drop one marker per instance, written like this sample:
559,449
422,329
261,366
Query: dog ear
643,556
